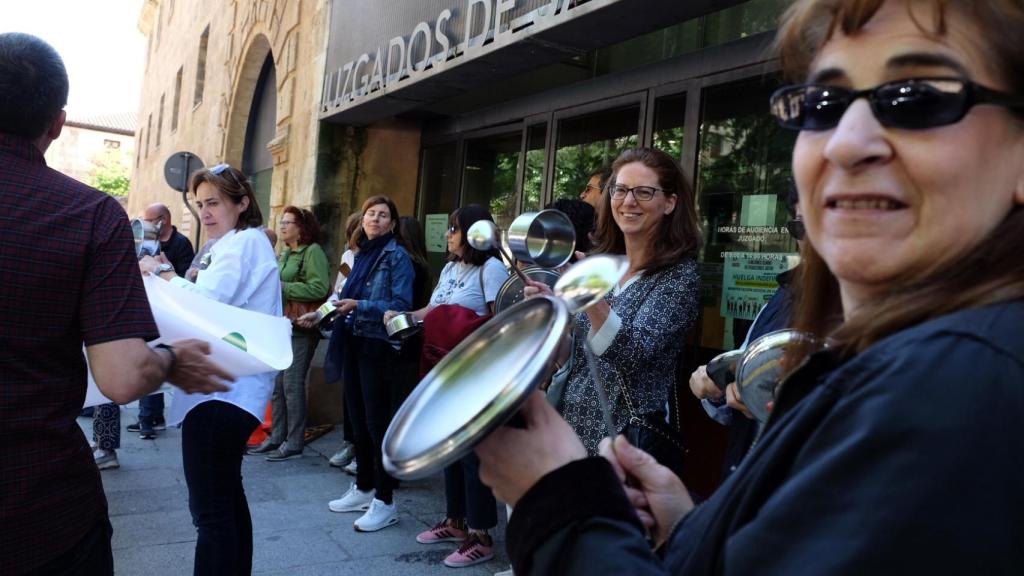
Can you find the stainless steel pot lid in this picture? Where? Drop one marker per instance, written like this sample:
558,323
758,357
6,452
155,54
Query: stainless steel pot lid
475,388
761,368
511,292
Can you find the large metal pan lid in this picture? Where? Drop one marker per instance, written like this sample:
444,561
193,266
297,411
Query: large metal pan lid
511,292
476,388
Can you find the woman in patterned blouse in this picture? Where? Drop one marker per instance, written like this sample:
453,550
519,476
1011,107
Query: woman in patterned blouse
636,333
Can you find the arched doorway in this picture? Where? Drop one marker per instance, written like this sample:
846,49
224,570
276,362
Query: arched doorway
257,161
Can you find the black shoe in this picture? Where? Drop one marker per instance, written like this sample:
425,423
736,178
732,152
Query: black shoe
146,430
265,448
159,425
281,455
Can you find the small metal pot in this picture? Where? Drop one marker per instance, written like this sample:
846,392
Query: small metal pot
546,238
402,326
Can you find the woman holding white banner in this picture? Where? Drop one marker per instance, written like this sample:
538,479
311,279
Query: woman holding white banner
242,272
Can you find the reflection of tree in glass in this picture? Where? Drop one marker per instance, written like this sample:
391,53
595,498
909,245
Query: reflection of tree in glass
532,180
740,156
670,141
575,164
503,192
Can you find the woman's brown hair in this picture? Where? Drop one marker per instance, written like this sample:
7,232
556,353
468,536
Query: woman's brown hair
355,237
309,227
991,272
233,185
678,235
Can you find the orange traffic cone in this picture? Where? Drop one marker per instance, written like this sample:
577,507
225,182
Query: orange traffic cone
262,432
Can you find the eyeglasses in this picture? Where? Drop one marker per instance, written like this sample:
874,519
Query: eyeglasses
592,187
453,229
641,193
796,228
216,170
287,222
911,104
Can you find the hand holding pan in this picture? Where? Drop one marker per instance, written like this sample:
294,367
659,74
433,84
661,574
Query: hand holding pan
481,383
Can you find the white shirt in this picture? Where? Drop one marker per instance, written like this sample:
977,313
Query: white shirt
460,283
242,272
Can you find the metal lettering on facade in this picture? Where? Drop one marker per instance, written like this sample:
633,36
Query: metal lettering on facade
432,45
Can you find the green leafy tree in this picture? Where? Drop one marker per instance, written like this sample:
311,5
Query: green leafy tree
110,174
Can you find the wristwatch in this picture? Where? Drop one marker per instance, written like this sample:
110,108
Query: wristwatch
164,268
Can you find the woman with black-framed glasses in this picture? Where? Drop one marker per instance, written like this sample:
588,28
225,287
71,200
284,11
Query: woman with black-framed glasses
637,331
896,450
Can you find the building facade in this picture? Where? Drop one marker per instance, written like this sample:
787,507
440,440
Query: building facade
91,148
506,103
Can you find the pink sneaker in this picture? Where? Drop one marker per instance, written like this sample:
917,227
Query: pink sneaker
442,532
473,551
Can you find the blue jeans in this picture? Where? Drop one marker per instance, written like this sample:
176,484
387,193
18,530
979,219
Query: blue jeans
151,408
213,439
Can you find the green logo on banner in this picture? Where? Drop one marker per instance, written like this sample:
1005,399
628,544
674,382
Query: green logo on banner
236,340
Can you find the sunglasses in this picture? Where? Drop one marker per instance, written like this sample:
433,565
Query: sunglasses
911,104
796,229
641,193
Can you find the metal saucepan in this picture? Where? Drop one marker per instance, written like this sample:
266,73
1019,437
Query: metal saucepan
722,368
402,326
546,238
481,383
147,238
760,370
511,292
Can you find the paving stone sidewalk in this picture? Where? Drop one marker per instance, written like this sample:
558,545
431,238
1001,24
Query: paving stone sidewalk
293,531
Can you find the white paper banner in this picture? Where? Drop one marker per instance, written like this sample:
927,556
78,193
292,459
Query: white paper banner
242,342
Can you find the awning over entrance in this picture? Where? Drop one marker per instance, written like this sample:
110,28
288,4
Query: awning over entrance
394,74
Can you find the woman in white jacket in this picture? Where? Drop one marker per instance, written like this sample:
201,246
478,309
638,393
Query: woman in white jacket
242,272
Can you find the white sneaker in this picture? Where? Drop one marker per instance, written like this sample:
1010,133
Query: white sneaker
354,500
343,457
351,468
380,515
505,573
106,459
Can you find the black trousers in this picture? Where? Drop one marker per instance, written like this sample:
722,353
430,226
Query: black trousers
91,556
467,497
213,439
368,366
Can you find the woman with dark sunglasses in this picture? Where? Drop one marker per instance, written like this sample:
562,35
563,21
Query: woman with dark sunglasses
463,298
896,450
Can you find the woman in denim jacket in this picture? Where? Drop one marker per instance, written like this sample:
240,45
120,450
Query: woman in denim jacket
381,279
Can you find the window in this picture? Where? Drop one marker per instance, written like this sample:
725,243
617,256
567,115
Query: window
669,117
176,103
533,183
489,178
160,121
112,144
138,148
439,196
589,143
204,40
743,178
149,130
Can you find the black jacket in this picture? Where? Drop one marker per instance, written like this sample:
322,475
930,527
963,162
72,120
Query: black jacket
905,459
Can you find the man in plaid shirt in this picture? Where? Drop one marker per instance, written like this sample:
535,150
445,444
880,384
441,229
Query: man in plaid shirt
70,277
